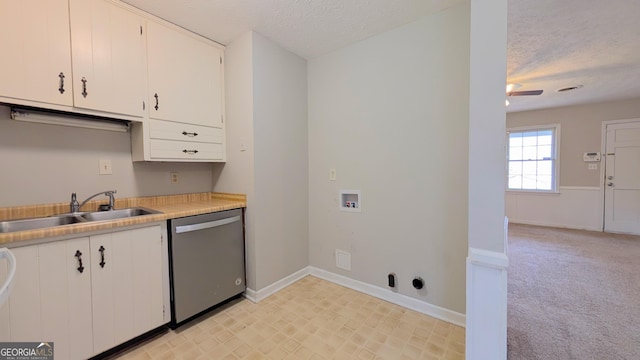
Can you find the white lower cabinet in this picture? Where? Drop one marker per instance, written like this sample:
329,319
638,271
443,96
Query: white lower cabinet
63,294
126,281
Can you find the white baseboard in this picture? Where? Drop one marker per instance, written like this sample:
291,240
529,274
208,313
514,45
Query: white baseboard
257,296
375,291
486,305
392,297
555,225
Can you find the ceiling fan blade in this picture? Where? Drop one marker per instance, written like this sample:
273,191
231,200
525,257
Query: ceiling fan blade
525,92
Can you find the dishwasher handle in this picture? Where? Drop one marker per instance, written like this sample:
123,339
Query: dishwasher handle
206,225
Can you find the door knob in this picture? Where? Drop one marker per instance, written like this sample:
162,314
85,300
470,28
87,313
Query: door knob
610,184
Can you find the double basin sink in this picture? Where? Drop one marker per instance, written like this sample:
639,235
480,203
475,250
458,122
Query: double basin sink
72,218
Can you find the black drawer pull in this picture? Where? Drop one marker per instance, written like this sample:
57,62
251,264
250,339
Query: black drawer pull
102,249
190,134
61,88
84,87
190,152
79,256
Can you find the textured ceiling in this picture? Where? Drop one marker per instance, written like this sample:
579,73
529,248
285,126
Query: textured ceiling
305,27
555,44
552,44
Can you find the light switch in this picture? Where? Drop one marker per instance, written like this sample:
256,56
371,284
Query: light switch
105,167
332,174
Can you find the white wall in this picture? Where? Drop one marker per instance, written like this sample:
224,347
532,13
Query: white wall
486,331
46,163
267,115
390,114
572,207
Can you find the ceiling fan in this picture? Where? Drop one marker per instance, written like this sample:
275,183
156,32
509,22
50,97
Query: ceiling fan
512,87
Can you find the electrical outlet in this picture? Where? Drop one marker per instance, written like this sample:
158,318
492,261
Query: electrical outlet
592,167
332,174
174,177
105,167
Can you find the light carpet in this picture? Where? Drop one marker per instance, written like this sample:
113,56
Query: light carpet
573,294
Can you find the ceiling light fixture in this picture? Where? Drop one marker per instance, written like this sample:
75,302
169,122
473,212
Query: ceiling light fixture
68,120
511,87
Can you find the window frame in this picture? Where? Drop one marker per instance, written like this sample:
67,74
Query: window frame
555,176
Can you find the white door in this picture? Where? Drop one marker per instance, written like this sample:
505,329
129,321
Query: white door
622,178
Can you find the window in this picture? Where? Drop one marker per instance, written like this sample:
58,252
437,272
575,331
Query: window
532,158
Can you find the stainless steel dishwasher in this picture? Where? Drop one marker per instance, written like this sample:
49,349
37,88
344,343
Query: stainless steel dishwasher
206,262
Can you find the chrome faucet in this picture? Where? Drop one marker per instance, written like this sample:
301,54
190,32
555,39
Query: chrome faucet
75,206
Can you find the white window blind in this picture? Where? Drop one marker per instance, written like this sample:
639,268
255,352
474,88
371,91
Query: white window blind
532,158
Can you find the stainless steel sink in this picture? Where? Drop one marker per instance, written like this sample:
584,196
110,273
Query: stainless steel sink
117,214
71,218
38,223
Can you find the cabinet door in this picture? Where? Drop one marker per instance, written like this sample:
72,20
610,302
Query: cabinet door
5,331
185,77
126,285
112,289
51,299
146,248
108,57
66,315
34,36
24,302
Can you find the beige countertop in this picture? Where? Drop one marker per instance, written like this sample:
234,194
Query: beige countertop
170,206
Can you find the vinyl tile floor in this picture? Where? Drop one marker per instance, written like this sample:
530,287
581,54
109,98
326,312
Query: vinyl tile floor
310,319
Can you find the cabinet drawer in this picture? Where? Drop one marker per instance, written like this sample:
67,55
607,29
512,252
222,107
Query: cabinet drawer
185,150
169,130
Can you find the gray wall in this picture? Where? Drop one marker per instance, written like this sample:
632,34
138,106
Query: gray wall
45,163
391,115
581,131
266,102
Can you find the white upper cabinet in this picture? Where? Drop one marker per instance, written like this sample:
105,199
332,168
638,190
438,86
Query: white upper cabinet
107,46
36,55
185,77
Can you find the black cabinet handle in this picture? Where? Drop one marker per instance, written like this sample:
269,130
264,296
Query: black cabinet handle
84,87
61,88
157,101
79,256
102,249
190,152
190,134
